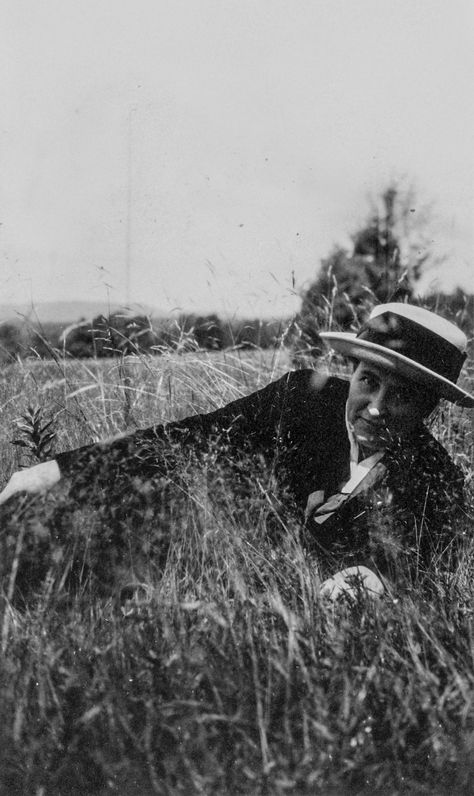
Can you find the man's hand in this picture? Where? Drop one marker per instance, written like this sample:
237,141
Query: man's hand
38,478
352,582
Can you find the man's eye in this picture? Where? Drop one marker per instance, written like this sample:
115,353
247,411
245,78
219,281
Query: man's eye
369,381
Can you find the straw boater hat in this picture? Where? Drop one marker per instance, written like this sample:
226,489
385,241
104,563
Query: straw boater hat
416,343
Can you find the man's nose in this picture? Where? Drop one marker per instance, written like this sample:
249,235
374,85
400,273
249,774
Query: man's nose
378,405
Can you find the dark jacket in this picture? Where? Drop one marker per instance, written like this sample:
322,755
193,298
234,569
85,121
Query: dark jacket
296,425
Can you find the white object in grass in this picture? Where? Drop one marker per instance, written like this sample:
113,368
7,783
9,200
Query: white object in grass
352,582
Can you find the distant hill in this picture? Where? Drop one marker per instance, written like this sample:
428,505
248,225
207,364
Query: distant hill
67,311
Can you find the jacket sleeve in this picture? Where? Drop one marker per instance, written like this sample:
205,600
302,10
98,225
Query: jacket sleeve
247,424
439,502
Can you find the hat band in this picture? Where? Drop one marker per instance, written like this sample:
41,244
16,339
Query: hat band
410,339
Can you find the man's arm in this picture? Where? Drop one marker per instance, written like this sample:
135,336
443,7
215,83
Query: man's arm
36,479
249,422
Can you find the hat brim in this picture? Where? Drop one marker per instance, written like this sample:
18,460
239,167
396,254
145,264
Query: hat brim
351,346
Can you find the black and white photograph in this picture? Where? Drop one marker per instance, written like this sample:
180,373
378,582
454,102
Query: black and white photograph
236,398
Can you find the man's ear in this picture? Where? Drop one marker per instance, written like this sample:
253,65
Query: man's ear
432,405
428,398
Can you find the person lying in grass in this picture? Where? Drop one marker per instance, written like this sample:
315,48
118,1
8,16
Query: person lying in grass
352,459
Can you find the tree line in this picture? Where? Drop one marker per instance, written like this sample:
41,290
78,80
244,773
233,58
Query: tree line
388,254
121,334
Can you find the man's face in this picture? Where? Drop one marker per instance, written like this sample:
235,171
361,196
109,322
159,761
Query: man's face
383,406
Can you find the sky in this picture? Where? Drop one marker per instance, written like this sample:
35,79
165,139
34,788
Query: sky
207,154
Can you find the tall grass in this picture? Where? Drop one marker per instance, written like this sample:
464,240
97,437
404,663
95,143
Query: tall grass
217,668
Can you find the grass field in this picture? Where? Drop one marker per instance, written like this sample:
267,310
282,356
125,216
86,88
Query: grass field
225,674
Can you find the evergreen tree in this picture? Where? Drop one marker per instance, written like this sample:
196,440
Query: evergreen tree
385,262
